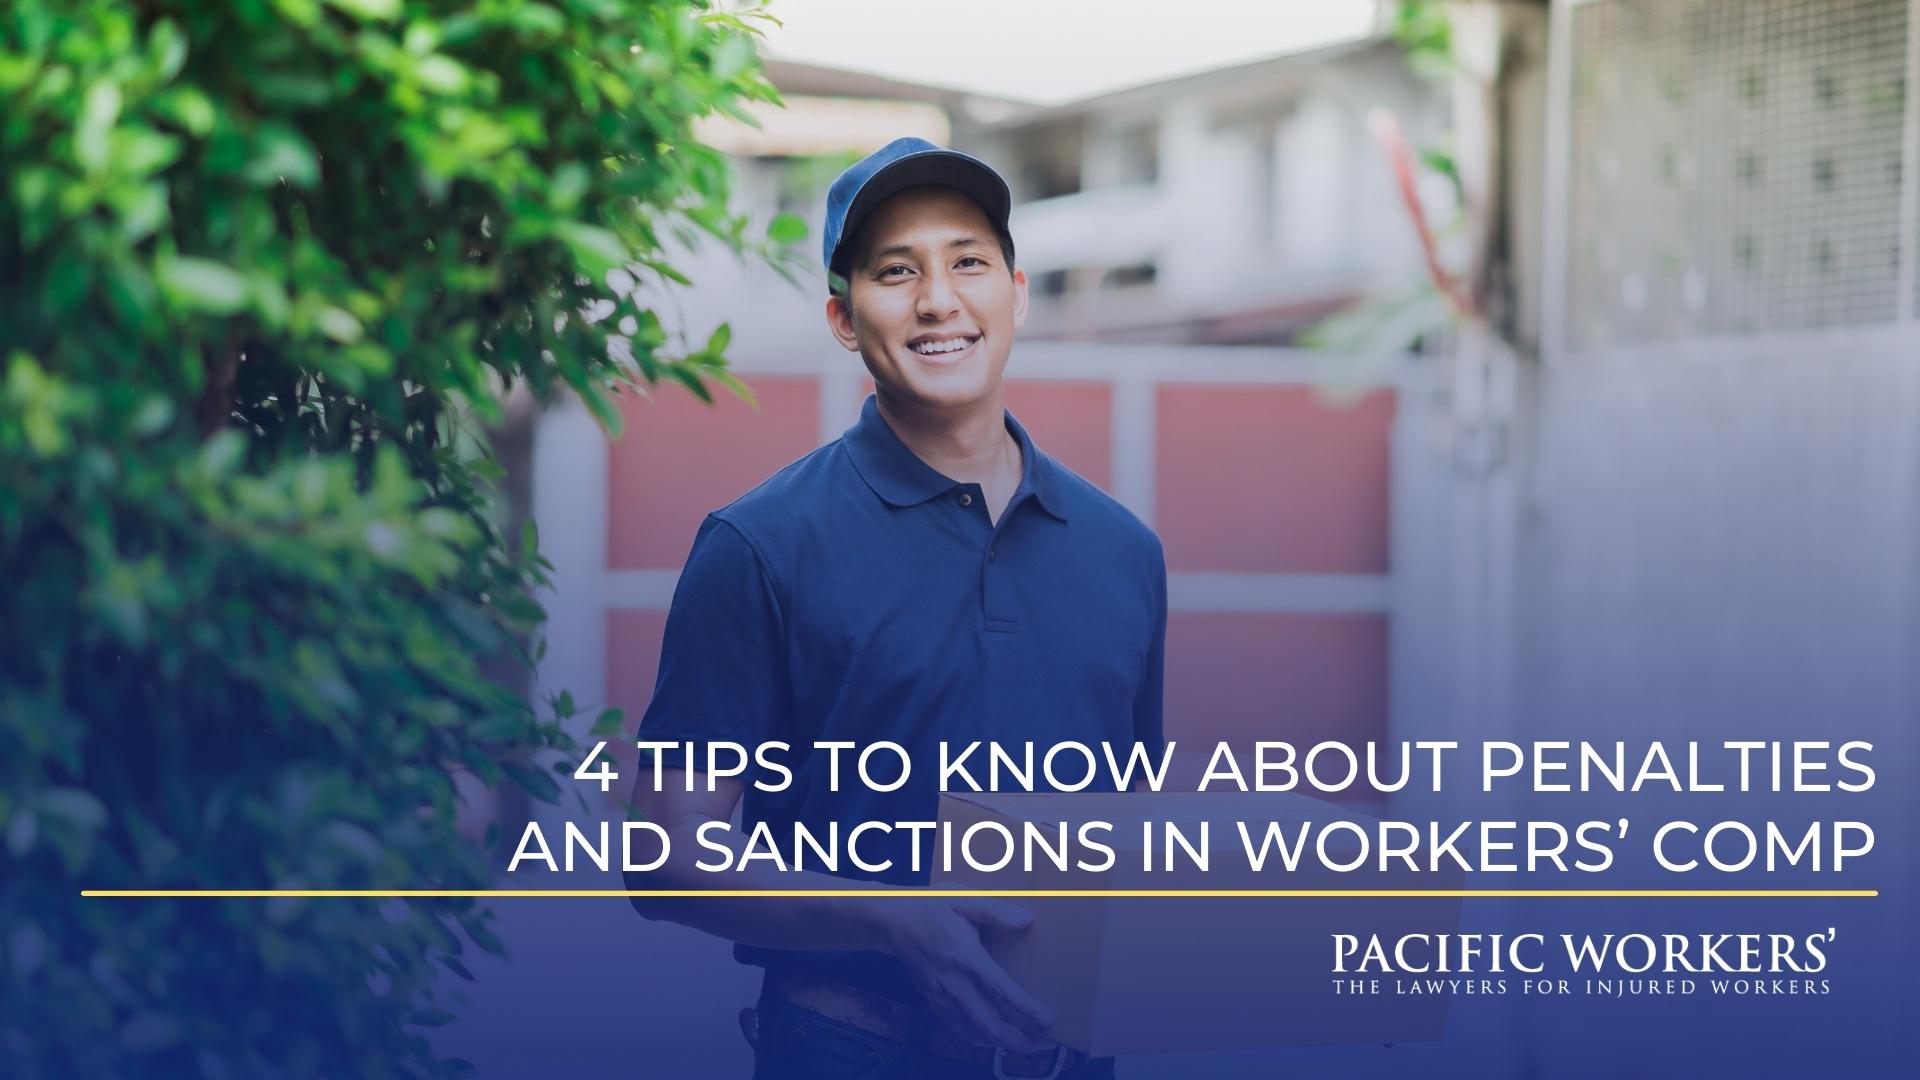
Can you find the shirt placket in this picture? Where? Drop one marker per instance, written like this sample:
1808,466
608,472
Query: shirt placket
999,613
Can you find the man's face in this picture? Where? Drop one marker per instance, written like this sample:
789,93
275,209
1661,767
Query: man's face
931,306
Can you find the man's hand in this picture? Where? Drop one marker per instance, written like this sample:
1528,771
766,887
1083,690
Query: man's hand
939,943
937,940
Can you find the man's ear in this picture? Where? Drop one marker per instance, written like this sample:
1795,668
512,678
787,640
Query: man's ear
840,321
1019,298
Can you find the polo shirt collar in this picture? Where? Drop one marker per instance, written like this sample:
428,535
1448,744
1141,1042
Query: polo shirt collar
897,475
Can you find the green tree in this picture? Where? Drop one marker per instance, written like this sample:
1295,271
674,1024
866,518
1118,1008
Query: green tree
268,268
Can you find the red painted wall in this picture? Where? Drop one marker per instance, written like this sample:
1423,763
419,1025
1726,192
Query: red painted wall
1272,478
679,458
1243,677
1071,421
1248,478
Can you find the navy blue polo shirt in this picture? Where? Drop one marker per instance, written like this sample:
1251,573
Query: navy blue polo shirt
859,595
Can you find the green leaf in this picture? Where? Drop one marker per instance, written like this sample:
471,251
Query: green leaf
652,333
608,723
73,805
382,10
99,111
442,74
338,324
144,211
189,107
498,728
152,417
222,453
732,382
787,229
536,19
668,272
734,56
483,936
281,153
597,250
603,409
201,284
690,379
288,89
168,47
540,785
22,831
568,185
137,151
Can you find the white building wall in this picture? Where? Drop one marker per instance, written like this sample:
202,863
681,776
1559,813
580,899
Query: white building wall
1269,190
1718,530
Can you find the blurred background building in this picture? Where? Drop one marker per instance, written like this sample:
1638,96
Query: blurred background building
1230,207
1666,478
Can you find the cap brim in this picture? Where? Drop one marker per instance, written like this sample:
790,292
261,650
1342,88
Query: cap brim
929,168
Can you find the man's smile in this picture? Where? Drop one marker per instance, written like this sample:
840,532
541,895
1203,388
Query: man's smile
944,348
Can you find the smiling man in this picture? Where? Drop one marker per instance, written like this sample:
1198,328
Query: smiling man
931,576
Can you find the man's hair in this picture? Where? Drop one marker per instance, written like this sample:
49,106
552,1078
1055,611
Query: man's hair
840,280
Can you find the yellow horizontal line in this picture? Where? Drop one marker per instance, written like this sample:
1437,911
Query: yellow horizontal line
1037,894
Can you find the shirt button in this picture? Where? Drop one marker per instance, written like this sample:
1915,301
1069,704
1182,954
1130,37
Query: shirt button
992,553
966,499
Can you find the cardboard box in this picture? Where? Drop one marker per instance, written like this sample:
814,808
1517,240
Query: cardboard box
1128,974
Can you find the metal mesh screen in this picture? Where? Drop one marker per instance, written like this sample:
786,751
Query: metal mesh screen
1736,167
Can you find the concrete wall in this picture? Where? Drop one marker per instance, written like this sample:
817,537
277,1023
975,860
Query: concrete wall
1717,525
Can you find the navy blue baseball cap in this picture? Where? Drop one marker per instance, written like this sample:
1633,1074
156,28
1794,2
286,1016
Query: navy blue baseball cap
895,167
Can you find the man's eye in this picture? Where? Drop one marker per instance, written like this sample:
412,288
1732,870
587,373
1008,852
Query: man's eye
889,271
970,260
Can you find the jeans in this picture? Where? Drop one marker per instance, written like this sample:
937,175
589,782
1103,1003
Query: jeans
793,1043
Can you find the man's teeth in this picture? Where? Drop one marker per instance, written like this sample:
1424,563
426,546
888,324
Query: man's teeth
950,345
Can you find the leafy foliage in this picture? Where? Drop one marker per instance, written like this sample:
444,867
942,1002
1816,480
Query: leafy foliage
1425,35
267,270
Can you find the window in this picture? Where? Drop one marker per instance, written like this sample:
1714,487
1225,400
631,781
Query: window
1048,161
1734,168
1133,274
1137,154
1049,284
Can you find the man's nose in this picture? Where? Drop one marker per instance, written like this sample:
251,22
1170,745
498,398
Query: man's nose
937,300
